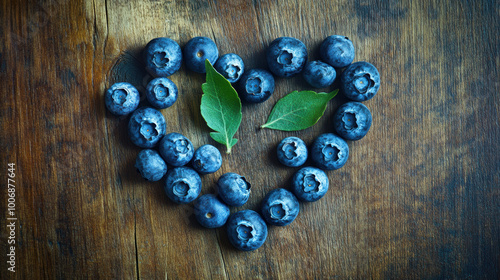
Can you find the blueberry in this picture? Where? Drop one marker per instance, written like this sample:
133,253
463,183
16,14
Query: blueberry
230,66
336,50
246,230
280,207
150,165
352,120
161,93
163,57
182,184
319,74
256,85
176,149
210,211
146,127
207,159
329,152
122,99
360,81
292,152
233,189
197,50
310,184
286,56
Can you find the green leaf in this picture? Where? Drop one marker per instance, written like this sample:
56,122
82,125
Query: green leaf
298,110
220,107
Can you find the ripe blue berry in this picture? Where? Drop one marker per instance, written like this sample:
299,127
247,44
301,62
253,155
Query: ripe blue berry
163,57
207,159
122,99
197,50
336,50
360,81
280,207
256,85
230,66
319,74
246,230
352,120
161,93
210,211
292,152
310,184
182,184
286,56
146,127
176,149
150,165
233,189
329,152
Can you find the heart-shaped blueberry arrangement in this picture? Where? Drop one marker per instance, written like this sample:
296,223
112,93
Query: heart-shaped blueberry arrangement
173,157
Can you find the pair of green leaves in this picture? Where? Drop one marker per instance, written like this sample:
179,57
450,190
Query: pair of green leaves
221,109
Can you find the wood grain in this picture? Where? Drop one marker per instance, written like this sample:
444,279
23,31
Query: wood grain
418,197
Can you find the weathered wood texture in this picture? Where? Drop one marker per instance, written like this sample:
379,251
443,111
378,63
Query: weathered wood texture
418,198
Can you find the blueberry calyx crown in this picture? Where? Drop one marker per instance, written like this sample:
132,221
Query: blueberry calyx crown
181,188
362,83
290,149
285,57
253,85
148,130
350,121
278,211
198,164
161,91
120,96
331,152
232,71
160,59
311,183
245,231
181,146
244,184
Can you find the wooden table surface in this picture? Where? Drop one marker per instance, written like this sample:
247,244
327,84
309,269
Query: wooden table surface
417,199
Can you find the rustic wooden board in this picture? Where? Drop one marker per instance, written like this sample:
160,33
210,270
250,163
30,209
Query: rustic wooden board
417,199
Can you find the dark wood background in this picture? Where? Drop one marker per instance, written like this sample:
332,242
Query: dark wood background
418,197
